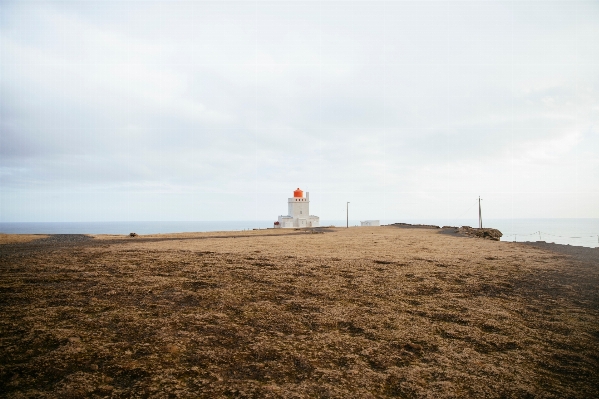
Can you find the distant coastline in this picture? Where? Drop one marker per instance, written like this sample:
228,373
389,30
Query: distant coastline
578,232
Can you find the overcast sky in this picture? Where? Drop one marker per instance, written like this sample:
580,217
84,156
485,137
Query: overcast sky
150,110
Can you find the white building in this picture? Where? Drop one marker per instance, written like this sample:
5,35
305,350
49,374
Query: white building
371,223
298,212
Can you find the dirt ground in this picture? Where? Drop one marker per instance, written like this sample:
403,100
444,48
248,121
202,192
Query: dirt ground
365,312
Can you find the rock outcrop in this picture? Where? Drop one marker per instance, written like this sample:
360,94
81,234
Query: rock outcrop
491,234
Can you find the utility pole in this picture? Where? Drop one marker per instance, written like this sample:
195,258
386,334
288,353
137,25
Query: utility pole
347,215
480,216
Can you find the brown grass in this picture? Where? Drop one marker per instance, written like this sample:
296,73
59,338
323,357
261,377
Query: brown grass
19,238
359,312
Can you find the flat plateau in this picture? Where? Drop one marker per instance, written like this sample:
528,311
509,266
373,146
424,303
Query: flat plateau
364,312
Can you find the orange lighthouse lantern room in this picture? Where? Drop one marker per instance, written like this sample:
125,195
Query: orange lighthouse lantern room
298,193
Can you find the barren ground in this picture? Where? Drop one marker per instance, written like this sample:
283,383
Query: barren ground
360,312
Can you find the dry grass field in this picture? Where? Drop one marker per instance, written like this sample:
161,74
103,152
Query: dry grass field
19,238
346,313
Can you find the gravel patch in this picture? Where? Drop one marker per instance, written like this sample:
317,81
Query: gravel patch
583,254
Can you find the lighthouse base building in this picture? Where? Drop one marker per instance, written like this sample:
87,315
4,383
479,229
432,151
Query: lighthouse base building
298,209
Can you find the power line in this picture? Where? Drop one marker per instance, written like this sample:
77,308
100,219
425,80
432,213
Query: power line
468,210
541,233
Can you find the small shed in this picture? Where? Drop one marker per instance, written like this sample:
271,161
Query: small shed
371,223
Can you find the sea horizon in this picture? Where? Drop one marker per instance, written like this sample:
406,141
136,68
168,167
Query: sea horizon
572,231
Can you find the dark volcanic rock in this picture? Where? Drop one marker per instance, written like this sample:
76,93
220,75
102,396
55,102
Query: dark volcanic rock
491,234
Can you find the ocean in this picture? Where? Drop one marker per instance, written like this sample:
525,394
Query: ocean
581,232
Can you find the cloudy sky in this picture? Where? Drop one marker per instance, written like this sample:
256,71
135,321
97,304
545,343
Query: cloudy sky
150,110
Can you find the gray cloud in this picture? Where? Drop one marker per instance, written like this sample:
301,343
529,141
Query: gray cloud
393,104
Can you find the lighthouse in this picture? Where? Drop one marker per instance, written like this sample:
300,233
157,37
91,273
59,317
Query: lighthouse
298,212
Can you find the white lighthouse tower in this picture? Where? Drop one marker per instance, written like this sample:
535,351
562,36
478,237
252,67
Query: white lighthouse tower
298,212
